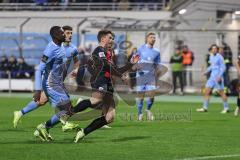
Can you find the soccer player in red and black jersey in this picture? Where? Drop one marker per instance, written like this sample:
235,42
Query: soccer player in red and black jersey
102,68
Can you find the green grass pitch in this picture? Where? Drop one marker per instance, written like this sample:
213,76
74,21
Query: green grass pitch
178,134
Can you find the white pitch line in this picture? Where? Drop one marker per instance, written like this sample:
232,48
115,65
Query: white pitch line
212,157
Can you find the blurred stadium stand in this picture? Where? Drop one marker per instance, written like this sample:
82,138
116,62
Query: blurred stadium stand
53,5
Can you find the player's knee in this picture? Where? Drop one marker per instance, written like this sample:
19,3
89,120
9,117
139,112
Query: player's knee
95,101
109,118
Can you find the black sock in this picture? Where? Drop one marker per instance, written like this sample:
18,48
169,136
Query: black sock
81,106
97,123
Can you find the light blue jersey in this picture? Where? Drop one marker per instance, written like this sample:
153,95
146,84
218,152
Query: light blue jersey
71,54
149,59
217,68
52,72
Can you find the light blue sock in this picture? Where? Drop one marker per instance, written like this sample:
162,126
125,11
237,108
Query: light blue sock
149,103
205,104
52,122
225,105
140,106
29,107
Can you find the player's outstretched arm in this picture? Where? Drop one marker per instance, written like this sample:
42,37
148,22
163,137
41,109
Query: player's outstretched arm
118,71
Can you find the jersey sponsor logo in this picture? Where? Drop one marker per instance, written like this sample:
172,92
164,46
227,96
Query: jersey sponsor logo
101,54
44,58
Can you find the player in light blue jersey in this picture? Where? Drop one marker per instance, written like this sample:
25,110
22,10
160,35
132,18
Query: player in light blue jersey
71,53
49,77
146,75
217,68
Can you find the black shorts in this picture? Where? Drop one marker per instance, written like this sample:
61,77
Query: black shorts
102,84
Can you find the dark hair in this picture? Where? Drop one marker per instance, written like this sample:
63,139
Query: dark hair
54,30
103,33
67,28
213,45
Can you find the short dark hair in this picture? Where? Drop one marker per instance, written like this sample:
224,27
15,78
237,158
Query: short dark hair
214,45
67,28
54,30
103,33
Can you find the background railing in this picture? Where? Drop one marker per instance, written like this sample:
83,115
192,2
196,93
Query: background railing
85,6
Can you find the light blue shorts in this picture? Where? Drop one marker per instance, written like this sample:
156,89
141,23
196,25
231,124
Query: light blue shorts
57,97
212,83
145,88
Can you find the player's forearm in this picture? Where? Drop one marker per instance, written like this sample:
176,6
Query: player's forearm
38,76
38,80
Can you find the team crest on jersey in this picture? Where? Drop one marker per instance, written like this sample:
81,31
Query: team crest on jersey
101,54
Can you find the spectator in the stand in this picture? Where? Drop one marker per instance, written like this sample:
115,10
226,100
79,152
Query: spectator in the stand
4,67
177,70
188,58
23,69
12,66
